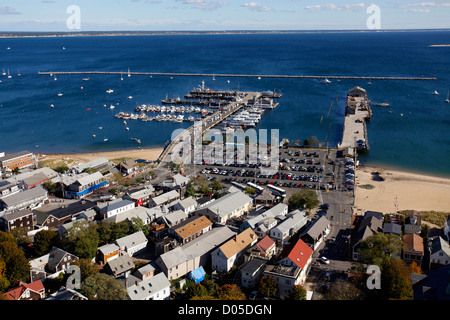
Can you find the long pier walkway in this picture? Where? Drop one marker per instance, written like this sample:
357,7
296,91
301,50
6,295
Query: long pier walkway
259,76
210,121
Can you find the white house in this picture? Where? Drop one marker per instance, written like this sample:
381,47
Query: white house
115,207
152,288
133,244
294,222
225,257
440,251
229,206
187,205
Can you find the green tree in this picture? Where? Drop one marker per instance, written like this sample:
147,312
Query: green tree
87,268
81,239
267,286
216,185
138,225
380,248
62,168
196,290
4,283
297,293
50,187
305,198
190,191
44,241
102,286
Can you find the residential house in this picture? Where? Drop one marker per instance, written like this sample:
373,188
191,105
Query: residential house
23,219
316,232
85,186
392,228
146,215
152,288
289,226
59,260
184,259
187,205
174,218
164,198
96,164
439,251
178,182
121,266
31,199
264,249
142,196
190,229
66,294
251,272
435,285
446,228
23,159
292,266
33,181
413,248
106,253
413,221
133,244
7,188
145,272
64,214
265,198
24,291
128,167
230,206
266,219
111,208
365,227
227,255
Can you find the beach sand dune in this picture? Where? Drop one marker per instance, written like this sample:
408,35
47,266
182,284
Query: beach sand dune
146,154
408,190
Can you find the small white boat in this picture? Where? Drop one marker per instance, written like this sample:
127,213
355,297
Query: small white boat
100,128
111,107
325,81
60,94
52,106
128,129
448,97
109,91
9,76
435,93
130,97
129,74
105,139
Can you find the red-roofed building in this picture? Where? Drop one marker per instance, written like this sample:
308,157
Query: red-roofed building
264,249
292,267
32,291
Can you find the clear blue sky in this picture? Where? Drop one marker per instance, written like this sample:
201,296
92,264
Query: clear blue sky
156,15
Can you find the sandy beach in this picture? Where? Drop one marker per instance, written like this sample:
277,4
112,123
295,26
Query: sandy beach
77,158
409,190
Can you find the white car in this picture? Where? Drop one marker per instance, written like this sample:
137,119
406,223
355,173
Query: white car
325,260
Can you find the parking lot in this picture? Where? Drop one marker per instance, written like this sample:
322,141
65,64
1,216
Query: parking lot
299,168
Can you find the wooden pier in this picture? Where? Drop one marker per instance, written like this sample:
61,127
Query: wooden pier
257,76
357,112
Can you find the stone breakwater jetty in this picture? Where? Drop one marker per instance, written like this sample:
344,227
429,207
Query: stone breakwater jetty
217,75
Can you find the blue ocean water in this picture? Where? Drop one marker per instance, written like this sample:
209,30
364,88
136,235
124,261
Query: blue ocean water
417,141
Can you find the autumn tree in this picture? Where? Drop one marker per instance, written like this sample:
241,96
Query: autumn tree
230,292
267,286
343,290
396,280
414,268
16,266
297,293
